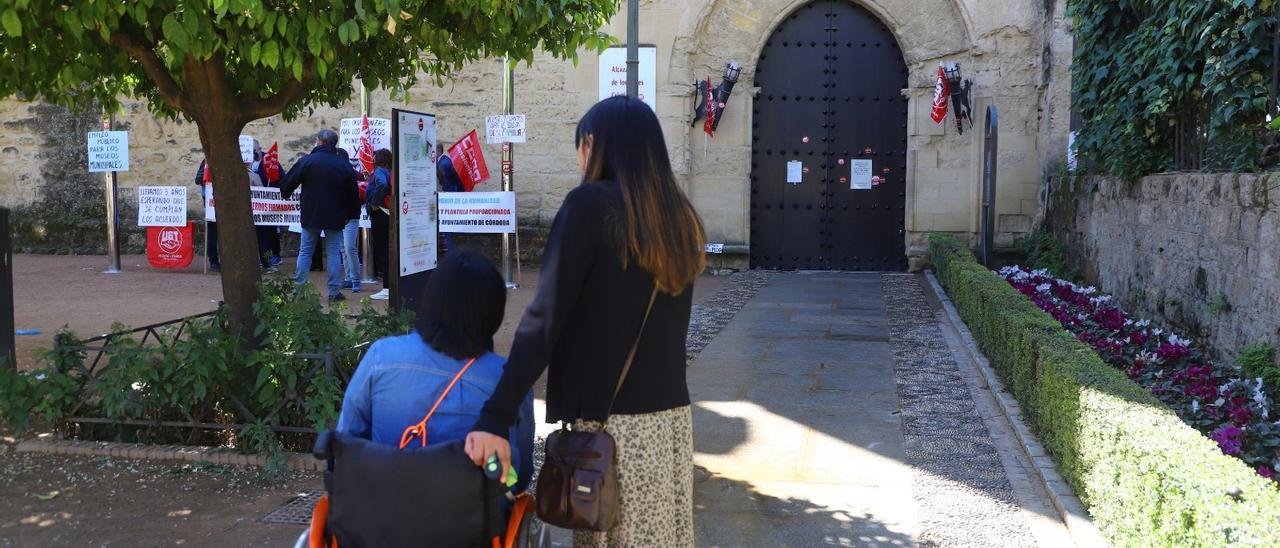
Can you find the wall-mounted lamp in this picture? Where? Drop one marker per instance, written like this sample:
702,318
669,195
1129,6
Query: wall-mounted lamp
959,95
719,95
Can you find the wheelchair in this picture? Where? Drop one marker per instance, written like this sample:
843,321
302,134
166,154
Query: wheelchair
379,495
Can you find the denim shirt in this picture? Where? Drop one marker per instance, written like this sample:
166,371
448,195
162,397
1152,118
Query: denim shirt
401,377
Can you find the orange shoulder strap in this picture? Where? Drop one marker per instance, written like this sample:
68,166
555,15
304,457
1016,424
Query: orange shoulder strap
420,429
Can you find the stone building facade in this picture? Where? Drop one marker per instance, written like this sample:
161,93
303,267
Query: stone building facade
1016,52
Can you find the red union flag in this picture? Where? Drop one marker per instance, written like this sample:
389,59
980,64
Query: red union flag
271,162
709,125
365,151
468,161
941,92
169,246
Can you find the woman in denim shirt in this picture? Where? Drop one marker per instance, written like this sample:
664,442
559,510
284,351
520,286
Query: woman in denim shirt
400,377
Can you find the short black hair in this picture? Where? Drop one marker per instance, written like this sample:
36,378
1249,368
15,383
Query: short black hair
382,158
462,306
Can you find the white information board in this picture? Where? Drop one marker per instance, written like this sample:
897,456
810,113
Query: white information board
246,149
504,129
162,206
613,74
349,134
860,175
108,151
478,212
416,191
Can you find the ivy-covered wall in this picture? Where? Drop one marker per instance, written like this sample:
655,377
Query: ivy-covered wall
1171,85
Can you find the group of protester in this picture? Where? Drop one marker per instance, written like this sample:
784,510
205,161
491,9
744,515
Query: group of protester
333,194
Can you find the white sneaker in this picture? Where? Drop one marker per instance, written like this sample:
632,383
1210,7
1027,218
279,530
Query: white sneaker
381,295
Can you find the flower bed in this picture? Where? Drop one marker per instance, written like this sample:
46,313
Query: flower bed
1147,477
1216,398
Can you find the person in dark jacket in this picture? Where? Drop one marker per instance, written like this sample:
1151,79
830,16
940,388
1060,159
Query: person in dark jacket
449,182
379,215
211,227
626,240
270,235
329,198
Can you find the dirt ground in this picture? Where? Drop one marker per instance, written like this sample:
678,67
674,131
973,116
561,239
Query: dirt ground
98,501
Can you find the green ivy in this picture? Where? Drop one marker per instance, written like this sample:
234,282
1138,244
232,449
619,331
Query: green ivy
1140,67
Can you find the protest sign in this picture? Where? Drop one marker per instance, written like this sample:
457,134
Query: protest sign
162,206
478,212
269,208
349,134
170,246
246,149
507,128
108,151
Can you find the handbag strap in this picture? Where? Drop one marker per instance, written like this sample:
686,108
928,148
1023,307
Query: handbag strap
419,429
631,356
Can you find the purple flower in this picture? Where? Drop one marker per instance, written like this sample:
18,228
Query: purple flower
1266,471
1172,352
1228,438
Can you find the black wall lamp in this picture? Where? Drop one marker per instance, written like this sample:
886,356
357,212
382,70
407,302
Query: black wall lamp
959,95
718,96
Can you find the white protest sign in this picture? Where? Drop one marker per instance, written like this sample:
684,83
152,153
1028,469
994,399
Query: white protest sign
162,206
715,248
613,74
108,151
246,149
478,212
504,129
860,175
349,134
365,222
269,209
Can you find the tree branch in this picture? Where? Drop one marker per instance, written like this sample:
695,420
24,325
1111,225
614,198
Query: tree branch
170,91
255,108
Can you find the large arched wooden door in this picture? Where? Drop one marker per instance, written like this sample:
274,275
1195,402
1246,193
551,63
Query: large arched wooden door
830,115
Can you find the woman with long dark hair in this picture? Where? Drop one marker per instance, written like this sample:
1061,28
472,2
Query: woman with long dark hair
625,232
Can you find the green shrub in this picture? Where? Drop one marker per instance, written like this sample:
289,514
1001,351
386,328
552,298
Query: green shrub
1045,251
1259,361
1146,477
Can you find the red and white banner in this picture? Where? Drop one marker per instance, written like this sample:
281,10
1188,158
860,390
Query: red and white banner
941,93
269,209
170,246
271,164
365,151
468,161
709,124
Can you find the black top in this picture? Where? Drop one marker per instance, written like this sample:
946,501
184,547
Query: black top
583,322
330,197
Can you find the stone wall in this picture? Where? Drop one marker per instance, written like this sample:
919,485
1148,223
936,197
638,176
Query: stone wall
1016,52
1197,251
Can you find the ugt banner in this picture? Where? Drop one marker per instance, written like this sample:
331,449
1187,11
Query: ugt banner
468,160
170,246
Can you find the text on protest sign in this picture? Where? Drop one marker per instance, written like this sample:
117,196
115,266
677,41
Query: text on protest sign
108,151
478,212
504,129
349,134
162,206
246,149
269,209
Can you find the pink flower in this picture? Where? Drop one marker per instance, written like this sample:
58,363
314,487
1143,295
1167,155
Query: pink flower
1228,438
1266,471
1238,410
1172,352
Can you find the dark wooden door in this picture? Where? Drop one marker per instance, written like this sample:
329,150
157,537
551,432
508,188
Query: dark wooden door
831,77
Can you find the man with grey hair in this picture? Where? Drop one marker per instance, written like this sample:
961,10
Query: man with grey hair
329,198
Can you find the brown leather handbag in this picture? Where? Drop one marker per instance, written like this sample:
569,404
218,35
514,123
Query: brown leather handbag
578,483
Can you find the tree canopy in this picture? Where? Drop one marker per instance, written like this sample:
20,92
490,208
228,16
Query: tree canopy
224,63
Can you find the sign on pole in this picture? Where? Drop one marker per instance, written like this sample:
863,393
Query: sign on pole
108,151
416,191
504,129
613,74
162,206
478,212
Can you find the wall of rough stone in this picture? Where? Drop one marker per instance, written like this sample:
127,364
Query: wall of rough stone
1014,51
1198,251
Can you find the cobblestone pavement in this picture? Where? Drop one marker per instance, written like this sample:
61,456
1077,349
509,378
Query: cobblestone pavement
963,495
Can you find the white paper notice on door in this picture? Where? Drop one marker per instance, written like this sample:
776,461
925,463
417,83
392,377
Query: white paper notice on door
860,174
795,170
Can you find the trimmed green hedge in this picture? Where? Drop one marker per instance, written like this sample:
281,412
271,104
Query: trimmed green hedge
1146,477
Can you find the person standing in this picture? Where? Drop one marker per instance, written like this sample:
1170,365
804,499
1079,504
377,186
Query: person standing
378,205
449,182
264,243
271,234
624,251
351,237
328,198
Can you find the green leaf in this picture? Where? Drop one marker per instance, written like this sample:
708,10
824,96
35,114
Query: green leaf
12,24
255,55
263,375
220,7
271,54
174,33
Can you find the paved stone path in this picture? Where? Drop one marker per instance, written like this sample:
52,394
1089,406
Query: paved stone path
830,411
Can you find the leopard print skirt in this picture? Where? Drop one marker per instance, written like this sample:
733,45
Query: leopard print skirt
655,481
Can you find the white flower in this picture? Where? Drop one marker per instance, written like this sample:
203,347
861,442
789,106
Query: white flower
1219,402
1143,323
1043,288
1042,272
1157,332
1128,323
1174,339
1195,406
40,376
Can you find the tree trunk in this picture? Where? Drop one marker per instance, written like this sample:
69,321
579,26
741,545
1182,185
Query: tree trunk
237,240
